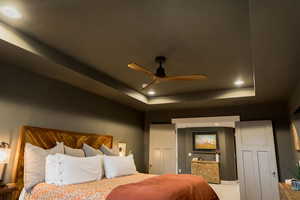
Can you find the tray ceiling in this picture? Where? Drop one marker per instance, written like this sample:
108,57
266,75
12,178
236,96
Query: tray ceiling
216,38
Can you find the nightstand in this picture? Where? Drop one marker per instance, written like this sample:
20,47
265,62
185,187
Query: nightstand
7,191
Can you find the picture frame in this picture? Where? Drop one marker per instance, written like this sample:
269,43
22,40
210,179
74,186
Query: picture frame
205,141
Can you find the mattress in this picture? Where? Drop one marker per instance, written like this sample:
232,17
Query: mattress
96,190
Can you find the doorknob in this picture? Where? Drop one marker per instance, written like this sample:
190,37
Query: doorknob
274,174
150,165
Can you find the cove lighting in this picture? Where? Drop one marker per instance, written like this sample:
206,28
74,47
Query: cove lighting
239,82
151,92
10,12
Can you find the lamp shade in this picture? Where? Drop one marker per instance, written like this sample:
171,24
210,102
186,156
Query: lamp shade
4,155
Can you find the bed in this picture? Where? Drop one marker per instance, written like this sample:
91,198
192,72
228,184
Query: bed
47,138
96,190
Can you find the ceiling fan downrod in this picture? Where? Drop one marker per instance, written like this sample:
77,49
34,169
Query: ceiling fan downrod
160,72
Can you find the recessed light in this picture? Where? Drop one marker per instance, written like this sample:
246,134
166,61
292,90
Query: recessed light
239,82
10,12
151,92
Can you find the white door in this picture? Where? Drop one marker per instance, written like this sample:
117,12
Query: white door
162,158
256,160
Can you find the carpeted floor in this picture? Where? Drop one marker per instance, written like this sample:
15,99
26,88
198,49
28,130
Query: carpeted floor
227,191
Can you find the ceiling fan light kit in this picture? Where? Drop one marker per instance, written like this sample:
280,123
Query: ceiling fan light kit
160,74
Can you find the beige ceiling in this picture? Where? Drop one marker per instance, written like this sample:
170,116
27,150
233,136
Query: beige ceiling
198,36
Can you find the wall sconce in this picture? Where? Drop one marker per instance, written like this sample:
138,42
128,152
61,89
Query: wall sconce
4,152
122,148
4,159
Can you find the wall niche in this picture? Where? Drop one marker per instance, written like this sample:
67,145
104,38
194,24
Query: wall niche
225,150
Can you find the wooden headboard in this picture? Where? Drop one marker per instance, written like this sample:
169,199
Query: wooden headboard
47,138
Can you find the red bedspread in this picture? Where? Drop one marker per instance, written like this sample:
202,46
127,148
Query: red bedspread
165,187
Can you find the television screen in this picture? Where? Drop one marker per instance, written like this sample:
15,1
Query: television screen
205,141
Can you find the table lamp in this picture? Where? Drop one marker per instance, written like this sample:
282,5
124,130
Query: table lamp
4,159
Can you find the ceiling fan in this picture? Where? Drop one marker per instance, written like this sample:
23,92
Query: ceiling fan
160,74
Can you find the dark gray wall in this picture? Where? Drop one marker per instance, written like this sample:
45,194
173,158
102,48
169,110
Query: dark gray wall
226,150
294,101
277,112
30,99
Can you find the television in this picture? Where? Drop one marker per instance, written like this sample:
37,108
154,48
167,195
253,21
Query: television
205,141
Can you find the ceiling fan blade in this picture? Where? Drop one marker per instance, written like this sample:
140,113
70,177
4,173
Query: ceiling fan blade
184,78
137,67
154,81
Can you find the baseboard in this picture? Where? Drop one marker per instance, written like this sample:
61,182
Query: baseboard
230,182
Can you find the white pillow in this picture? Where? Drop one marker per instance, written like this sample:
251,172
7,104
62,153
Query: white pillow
63,169
90,151
51,169
119,166
34,163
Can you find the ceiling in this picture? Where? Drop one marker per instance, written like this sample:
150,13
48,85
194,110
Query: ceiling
226,40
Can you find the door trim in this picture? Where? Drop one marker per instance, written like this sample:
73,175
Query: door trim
222,121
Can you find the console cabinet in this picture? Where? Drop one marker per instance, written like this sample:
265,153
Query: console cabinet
209,170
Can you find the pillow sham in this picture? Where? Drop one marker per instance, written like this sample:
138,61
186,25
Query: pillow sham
115,166
107,151
34,163
91,151
73,152
64,169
